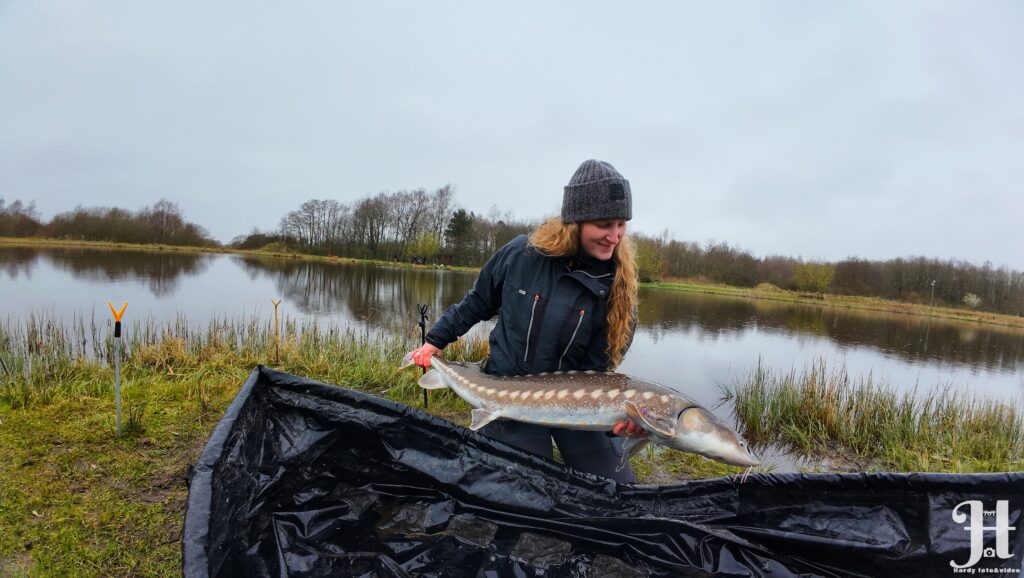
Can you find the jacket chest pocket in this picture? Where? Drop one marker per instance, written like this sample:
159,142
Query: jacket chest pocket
574,337
523,311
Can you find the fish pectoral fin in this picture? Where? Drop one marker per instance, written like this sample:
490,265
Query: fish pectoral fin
431,380
482,417
630,448
644,417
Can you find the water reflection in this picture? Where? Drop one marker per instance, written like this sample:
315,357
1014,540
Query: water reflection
73,281
381,297
915,338
18,261
159,271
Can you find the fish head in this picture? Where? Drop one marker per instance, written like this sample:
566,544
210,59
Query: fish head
701,432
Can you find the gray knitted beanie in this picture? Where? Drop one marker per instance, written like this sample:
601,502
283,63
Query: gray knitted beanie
597,191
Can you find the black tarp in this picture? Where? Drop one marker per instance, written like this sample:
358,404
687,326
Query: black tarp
305,479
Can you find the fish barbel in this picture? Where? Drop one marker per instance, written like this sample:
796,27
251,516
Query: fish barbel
592,400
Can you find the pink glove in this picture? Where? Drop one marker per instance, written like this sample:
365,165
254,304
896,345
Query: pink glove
422,355
628,429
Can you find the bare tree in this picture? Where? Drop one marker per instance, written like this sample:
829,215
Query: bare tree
18,219
165,220
410,212
371,218
442,204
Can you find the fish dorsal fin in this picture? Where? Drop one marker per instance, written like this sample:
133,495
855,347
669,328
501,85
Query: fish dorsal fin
432,380
644,417
630,448
482,417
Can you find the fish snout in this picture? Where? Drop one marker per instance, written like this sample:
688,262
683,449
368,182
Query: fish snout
747,461
743,457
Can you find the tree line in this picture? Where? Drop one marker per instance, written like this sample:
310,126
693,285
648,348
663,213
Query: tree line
161,223
427,226
916,280
419,226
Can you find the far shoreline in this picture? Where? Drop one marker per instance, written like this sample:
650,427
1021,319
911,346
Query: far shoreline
770,293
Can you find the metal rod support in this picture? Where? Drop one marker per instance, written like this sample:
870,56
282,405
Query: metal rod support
423,339
277,339
117,373
117,360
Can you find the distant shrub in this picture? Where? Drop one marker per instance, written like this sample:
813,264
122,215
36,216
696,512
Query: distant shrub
971,300
814,277
278,247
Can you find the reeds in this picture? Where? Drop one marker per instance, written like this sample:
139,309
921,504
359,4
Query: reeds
823,411
48,360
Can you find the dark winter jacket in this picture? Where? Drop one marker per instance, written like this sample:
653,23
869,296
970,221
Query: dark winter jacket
552,311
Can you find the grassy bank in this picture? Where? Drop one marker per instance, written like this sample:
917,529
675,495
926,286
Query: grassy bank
42,242
823,411
35,242
97,504
760,292
770,292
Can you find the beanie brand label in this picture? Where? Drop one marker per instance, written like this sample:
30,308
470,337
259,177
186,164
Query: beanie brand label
616,192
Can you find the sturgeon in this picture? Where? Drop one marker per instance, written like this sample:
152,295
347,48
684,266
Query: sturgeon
591,400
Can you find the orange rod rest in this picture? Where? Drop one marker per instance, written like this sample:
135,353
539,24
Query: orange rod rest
117,314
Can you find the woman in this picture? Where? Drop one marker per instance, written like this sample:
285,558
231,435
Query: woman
566,300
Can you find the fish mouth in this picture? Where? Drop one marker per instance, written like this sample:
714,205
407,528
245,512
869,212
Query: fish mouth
748,460
739,456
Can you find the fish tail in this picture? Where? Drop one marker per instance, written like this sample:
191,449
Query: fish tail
406,361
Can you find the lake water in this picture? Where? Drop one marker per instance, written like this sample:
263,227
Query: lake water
692,342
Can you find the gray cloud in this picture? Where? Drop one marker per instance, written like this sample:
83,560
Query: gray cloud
798,128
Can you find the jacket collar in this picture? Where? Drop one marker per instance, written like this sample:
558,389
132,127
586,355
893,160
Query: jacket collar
590,266
594,274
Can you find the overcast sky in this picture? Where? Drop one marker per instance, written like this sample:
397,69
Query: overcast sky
814,129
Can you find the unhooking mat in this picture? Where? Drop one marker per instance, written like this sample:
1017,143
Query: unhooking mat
305,479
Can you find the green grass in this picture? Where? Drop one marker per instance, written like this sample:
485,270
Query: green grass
661,466
824,412
76,500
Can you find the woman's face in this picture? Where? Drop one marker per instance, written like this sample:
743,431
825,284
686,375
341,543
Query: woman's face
599,238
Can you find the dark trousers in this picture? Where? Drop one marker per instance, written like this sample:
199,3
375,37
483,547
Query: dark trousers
587,451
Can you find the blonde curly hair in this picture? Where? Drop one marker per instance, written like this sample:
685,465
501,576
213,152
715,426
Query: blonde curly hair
557,239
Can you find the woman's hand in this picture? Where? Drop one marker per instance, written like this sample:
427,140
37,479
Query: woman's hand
628,429
422,355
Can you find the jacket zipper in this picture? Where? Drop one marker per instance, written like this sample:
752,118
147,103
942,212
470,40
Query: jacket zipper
536,299
571,339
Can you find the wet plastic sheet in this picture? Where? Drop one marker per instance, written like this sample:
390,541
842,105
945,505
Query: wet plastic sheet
305,479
